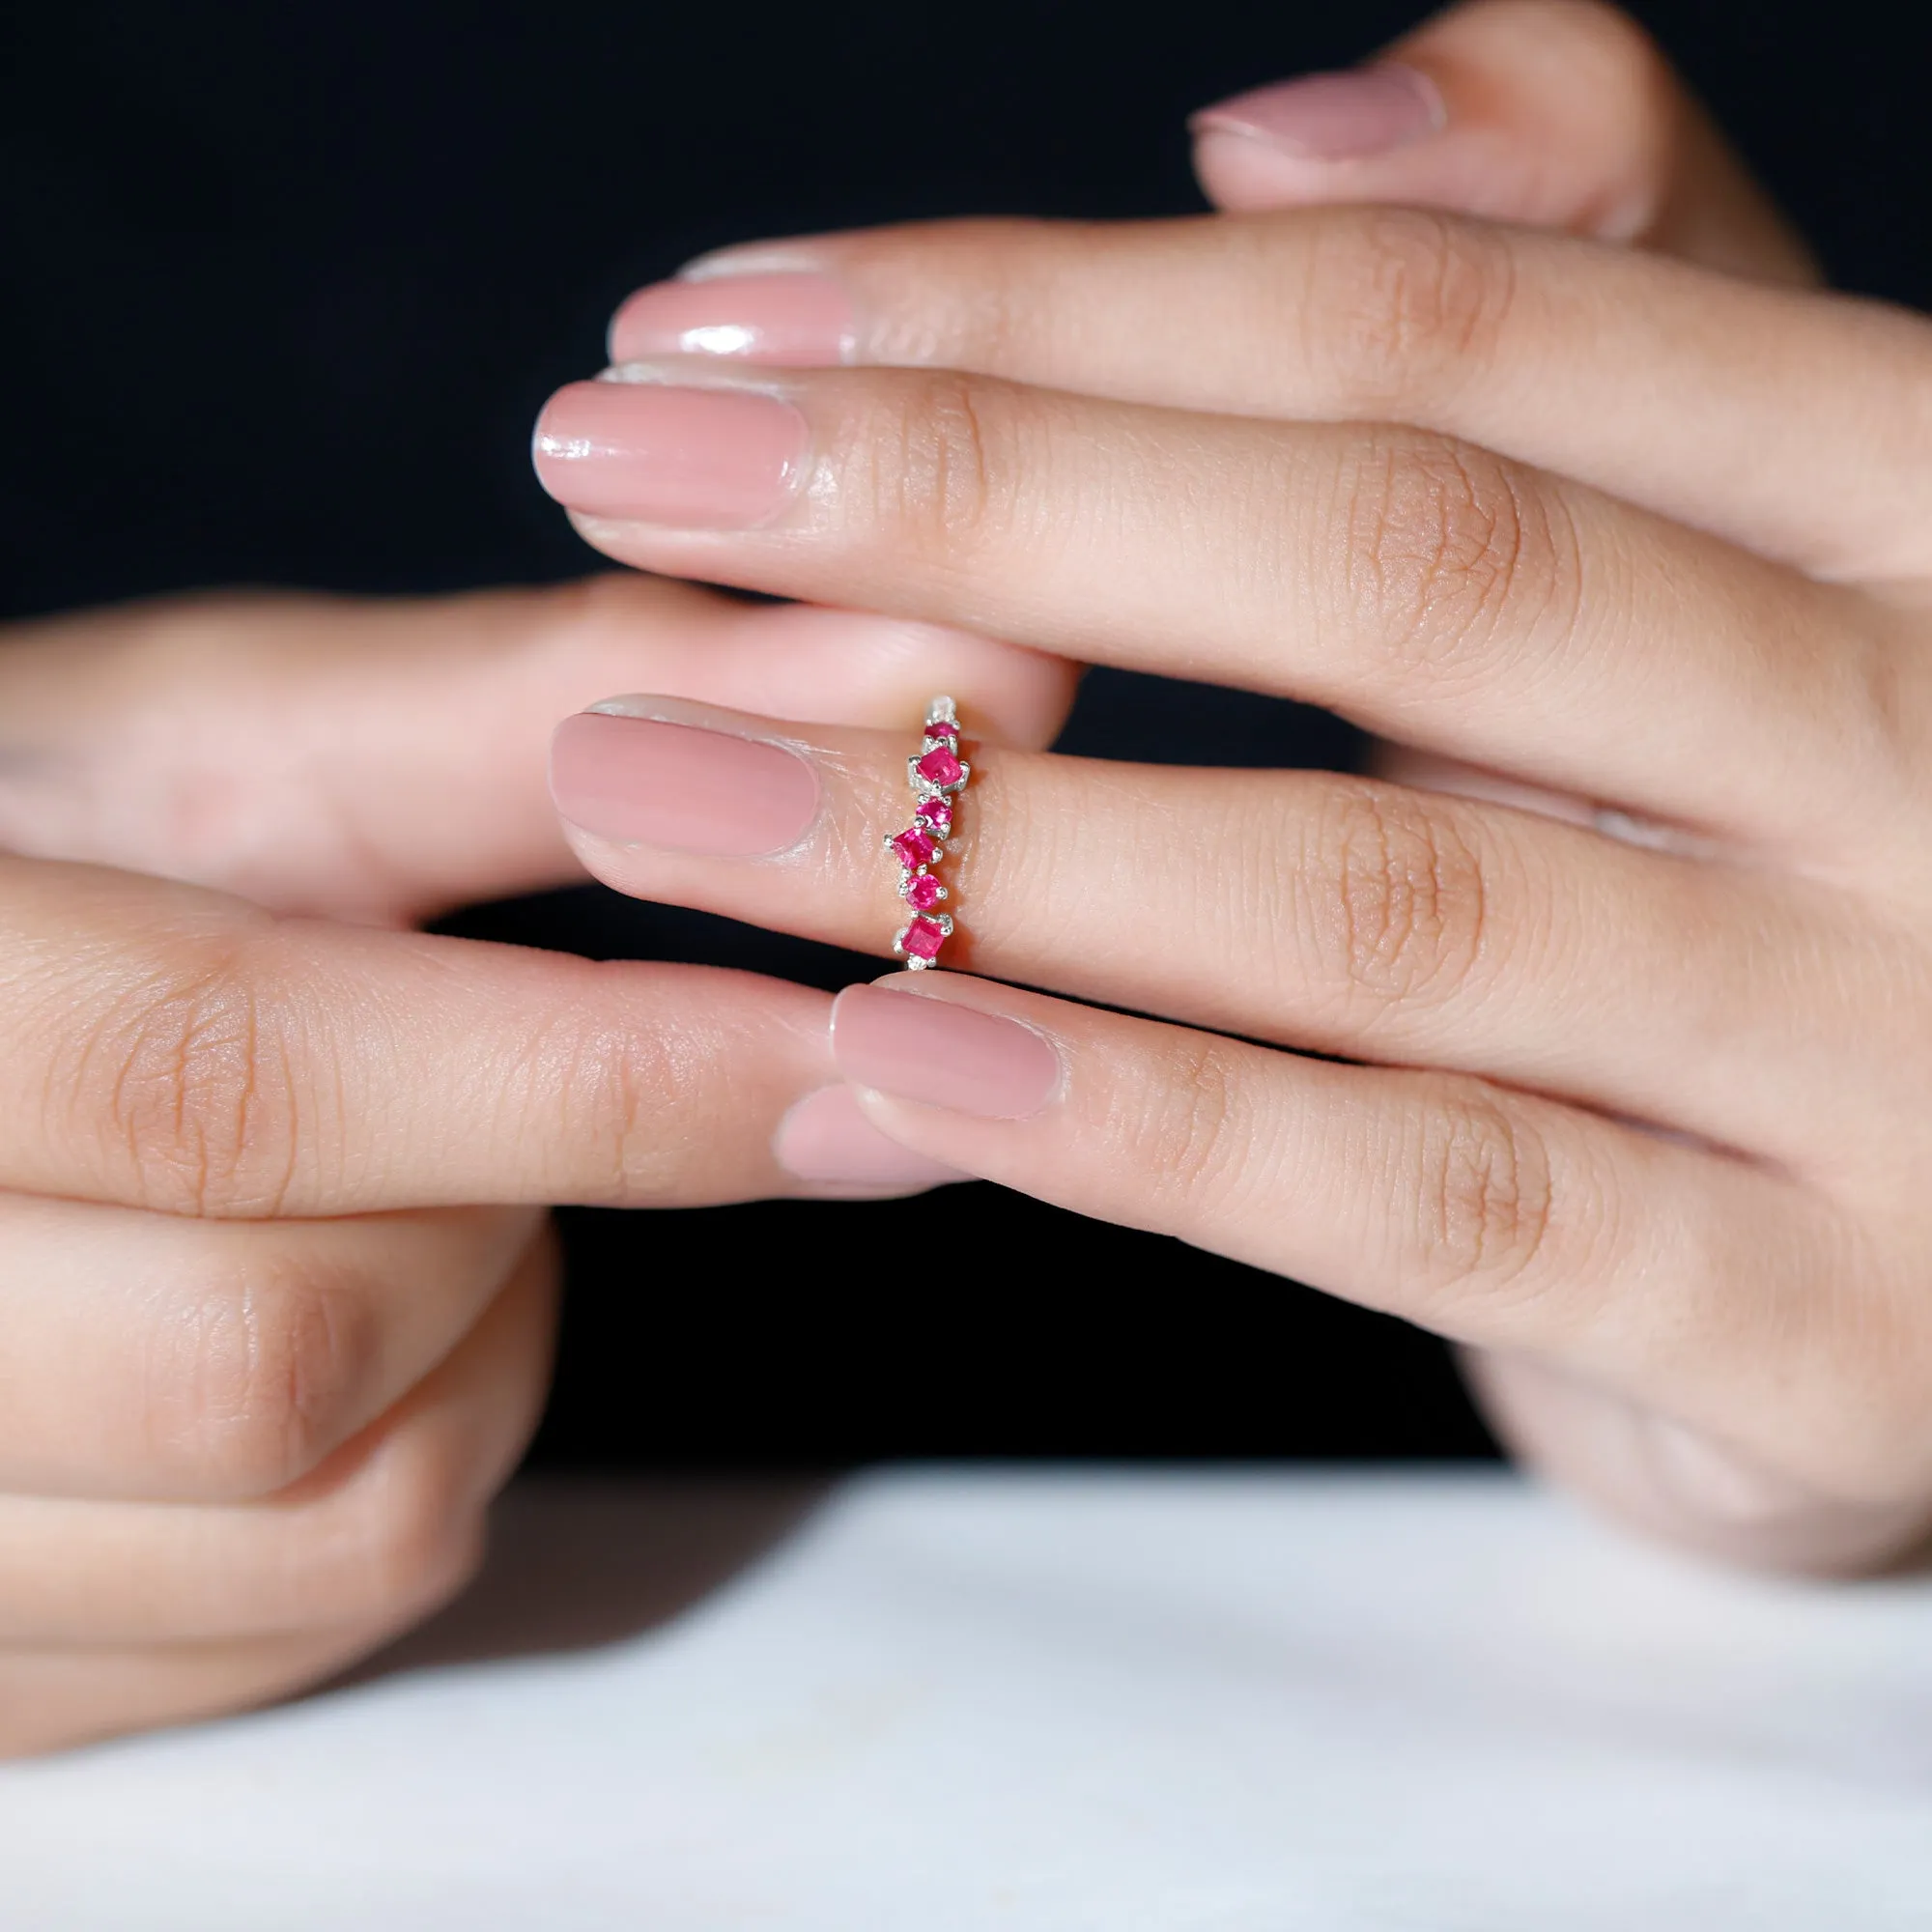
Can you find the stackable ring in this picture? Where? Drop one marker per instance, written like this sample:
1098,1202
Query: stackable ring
937,776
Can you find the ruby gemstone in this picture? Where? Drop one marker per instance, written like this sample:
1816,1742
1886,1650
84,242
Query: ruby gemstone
924,892
939,767
915,848
938,810
943,727
924,938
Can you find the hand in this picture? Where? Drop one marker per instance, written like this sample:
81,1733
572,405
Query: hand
1642,1108
278,1288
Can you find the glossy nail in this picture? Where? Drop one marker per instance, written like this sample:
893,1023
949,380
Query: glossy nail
1333,117
680,787
652,453
942,1054
825,1138
803,321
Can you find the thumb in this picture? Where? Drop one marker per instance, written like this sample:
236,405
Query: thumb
383,760
1553,113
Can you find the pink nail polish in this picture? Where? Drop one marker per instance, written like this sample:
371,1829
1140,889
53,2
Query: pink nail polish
1333,117
651,453
825,1138
802,320
942,1054
680,787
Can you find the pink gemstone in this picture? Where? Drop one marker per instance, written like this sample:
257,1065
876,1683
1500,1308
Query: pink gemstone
939,767
924,938
943,727
924,891
915,848
938,810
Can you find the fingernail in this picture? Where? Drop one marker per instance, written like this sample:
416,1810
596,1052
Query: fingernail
825,1138
942,1054
680,787
1333,117
803,321
652,453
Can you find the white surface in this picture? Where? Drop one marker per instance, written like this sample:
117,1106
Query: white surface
1077,1704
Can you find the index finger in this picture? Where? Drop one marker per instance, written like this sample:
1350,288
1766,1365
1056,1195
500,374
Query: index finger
1699,396
172,1049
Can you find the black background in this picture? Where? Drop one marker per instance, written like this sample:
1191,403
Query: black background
282,286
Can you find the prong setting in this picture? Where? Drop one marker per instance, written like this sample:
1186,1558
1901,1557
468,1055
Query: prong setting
936,775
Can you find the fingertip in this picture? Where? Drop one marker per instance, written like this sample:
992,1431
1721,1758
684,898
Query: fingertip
826,1140
1552,112
1333,117
1245,176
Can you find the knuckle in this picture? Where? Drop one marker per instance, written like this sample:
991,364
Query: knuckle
1187,1132
942,479
1482,1194
1410,305
186,1083
1454,556
987,272
254,1379
619,1114
1400,910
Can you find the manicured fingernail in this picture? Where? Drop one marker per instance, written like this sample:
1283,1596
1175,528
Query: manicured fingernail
825,1138
942,1054
649,452
680,787
803,321
1333,117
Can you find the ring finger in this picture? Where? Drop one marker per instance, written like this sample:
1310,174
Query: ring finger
1303,908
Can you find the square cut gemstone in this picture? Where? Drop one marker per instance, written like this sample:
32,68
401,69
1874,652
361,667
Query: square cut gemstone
924,938
939,810
915,848
924,891
939,767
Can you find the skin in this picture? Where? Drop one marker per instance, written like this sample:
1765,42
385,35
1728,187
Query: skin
278,1295
1614,532
280,1285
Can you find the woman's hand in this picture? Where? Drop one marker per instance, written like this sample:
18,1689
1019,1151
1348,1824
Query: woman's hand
1642,1111
278,1285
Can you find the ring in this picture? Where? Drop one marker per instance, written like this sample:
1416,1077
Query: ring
936,775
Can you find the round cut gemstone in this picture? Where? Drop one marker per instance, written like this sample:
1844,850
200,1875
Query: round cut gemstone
943,727
924,938
939,767
915,848
938,810
924,892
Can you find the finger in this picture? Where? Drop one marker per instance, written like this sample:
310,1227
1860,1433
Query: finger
1672,1483
1339,915
1695,395
1493,1218
153,1357
169,1049
383,760
57,1698
1418,586
1555,113
375,1537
